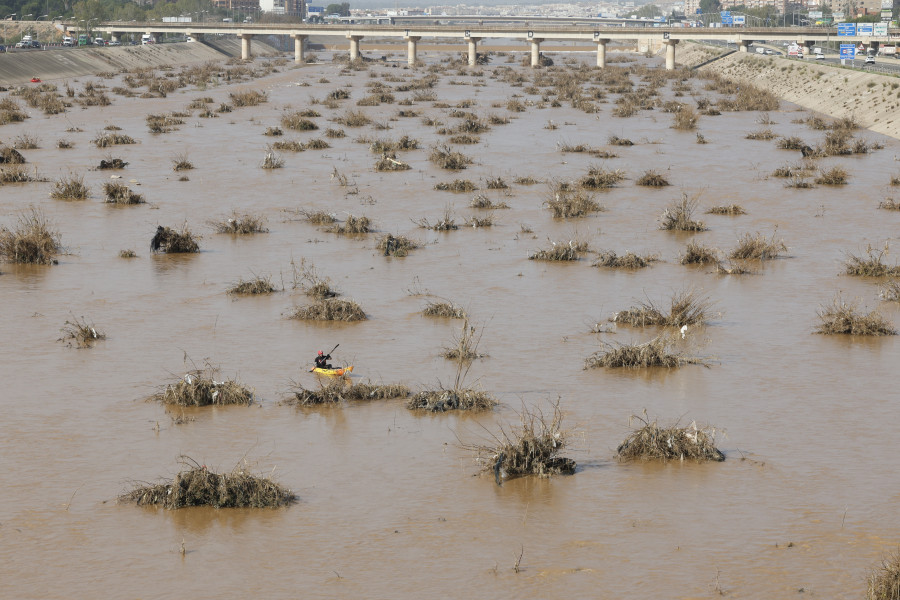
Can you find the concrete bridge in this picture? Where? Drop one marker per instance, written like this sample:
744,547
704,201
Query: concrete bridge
472,35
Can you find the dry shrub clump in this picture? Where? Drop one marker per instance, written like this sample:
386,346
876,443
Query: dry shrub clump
352,226
615,140
298,122
271,159
80,333
10,156
685,118
685,308
257,285
248,98
33,240
533,448
198,486
651,178
340,389
729,210
657,352
832,176
396,245
390,163
70,188
442,400
170,241
444,223
447,158
561,251
241,224
119,193
307,278
111,138
696,253
181,162
883,583
652,442
599,178
757,247
871,265
444,309
843,318
568,202
330,309
199,387
457,185
890,291
679,215
111,162
629,260
482,201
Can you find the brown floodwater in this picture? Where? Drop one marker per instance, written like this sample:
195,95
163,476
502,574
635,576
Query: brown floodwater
390,505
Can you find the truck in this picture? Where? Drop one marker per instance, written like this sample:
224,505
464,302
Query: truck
83,39
147,39
68,41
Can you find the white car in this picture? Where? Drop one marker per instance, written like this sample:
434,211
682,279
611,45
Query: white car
870,60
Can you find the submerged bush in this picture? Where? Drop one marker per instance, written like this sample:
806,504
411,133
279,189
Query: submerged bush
32,240
199,387
843,318
652,442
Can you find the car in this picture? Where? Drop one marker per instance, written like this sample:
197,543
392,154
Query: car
870,60
115,43
2,48
770,51
820,56
35,44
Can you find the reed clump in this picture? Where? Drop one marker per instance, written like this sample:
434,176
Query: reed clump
352,225
444,223
615,140
600,178
449,159
258,285
79,333
247,98
629,260
871,265
457,185
271,159
561,251
33,240
340,389
112,138
532,448
678,216
70,188
696,253
398,246
686,307
10,156
298,122
330,309
652,178
844,318
198,486
568,202
199,387
111,162
119,193
445,309
833,176
390,163
314,285
658,352
758,247
443,400
731,210
181,162
883,582
482,201
652,442
239,224
170,241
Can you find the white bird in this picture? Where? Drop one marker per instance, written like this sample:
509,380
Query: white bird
683,331
187,378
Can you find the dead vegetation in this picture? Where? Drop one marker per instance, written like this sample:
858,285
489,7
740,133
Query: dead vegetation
112,138
33,240
561,251
883,582
247,98
652,442
444,223
443,400
198,486
449,159
758,247
352,225
678,216
239,224
445,309
457,185
844,318
170,241
658,352
256,286
70,188
482,201
398,246
686,307
119,193
111,162
872,264
601,178
629,260
79,333
566,201
696,253
307,278
532,448
181,162
730,210
199,387
330,309
652,178
340,389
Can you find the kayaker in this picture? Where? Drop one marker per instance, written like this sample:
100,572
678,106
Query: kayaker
322,361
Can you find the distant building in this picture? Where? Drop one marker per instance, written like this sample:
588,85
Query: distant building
242,5
283,7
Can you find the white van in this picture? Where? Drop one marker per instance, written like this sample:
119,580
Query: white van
760,50
68,41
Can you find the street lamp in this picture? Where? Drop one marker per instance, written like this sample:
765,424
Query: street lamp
42,17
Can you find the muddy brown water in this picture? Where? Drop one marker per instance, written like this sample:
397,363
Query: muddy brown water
389,504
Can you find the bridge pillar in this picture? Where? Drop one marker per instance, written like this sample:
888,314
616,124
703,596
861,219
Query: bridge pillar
601,53
809,46
411,41
299,41
670,54
473,50
245,45
745,45
113,37
354,45
536,52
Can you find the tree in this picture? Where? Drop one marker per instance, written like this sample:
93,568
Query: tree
710,6
342,9
648,11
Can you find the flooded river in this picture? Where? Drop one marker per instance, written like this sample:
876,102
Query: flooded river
390,505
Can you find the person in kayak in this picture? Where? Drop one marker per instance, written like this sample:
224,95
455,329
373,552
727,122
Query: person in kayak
322,361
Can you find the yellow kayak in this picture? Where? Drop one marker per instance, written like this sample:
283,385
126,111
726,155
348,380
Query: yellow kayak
332,372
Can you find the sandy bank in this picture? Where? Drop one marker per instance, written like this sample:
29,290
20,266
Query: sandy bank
872,99
18,68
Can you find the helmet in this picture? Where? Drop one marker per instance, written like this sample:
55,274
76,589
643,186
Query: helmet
321,353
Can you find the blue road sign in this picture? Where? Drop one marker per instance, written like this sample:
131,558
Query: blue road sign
726,13
848,51
846,29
